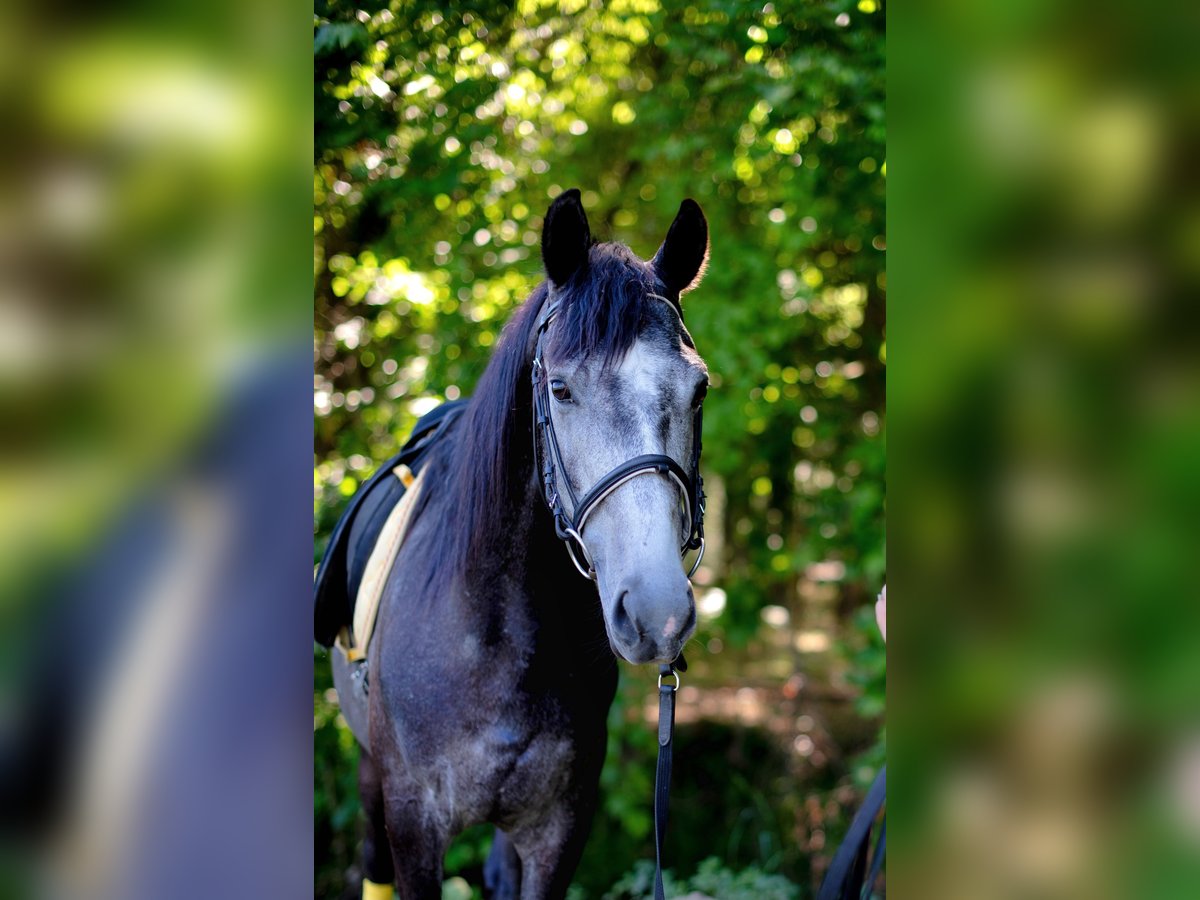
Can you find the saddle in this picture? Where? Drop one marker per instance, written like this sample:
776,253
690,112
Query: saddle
372,511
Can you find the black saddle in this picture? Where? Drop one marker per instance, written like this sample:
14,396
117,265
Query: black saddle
346,555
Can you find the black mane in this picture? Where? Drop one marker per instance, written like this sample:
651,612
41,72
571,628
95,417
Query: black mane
604,305
603,310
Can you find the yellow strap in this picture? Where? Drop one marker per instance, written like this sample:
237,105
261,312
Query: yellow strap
379,564
373,890
345,643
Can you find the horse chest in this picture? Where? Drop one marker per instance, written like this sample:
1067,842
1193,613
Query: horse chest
531,773
493,723
498,768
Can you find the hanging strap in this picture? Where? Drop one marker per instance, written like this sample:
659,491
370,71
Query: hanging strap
662,776
844,880
877,859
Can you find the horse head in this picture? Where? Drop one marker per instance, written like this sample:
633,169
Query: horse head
620,383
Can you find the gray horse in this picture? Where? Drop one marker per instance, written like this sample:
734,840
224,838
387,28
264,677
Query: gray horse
490,673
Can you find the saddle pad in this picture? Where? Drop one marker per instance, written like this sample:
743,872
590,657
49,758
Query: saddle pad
379,565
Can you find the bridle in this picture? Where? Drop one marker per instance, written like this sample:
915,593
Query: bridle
569,527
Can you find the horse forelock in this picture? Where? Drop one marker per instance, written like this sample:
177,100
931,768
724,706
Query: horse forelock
604,305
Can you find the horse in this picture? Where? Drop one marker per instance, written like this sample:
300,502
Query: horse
494,658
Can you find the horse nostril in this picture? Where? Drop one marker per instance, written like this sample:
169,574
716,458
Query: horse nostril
624,623
691,619
620,614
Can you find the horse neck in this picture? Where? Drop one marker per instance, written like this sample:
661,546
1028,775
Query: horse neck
526,585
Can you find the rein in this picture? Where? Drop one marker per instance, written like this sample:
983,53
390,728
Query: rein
569,528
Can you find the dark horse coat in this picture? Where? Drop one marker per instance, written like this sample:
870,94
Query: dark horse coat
490,670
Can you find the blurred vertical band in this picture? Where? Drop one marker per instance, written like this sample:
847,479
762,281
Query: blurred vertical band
155,373
1044,689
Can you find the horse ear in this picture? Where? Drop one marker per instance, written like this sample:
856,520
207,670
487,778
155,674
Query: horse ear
565,237
680,261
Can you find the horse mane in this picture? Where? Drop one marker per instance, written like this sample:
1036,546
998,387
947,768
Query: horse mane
604,305
602,311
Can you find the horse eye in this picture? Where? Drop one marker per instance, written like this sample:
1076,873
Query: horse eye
701,393
559,389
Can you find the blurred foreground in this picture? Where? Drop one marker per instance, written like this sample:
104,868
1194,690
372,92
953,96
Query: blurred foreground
154,363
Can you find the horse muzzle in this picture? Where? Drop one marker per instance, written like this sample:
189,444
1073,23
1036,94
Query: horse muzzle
648,625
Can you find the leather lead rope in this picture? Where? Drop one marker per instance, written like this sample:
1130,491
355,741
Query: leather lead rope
662,776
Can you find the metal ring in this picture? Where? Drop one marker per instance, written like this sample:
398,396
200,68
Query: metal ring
673,672
696,564
590,572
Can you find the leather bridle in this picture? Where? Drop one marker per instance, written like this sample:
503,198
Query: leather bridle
569,526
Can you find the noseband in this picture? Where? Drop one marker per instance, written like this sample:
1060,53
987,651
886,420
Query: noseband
569,527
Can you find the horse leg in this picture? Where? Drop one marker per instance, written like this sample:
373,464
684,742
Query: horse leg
378,873
418,841
550,850
502,871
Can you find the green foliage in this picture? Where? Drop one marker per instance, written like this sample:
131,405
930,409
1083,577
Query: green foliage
712,879
868,663
867,670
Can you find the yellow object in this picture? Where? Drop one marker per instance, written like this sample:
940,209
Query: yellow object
379,563
372,890
404,473
353,641
345,643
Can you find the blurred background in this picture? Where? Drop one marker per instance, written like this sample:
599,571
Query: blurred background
442,134
1044,692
